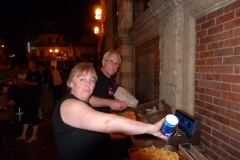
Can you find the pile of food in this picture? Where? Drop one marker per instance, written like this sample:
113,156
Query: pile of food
127,114
153,153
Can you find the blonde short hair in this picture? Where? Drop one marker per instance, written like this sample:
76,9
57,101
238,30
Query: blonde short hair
79,69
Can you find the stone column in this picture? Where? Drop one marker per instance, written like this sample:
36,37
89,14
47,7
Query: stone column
177,61
123,45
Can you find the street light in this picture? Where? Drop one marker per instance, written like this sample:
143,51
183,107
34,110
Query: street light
100,18
98,14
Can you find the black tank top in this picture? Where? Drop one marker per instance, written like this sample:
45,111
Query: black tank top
74,143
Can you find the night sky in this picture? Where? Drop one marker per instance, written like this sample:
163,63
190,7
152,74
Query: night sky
19,18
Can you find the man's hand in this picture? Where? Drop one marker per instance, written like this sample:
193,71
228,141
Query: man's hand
117,105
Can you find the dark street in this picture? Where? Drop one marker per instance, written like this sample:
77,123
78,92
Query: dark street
43,148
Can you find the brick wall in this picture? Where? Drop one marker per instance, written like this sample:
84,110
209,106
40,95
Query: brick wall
148,47
217,81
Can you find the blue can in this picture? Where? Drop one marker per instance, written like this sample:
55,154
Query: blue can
169,125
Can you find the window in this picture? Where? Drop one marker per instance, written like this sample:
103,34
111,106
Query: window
49,40
34,52
57,40
41,41
42,53
33,43
139,7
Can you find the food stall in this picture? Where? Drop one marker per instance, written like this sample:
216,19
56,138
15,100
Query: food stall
187,132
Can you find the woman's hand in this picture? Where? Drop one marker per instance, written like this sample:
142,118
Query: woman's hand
156,131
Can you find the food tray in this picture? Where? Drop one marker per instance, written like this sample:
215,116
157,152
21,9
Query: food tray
161,105
131,150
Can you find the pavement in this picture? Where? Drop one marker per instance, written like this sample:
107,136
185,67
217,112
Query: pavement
43,148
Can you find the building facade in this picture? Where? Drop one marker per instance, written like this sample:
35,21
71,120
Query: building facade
53,48
187,53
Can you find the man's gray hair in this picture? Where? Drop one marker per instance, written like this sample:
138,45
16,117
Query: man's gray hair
110,52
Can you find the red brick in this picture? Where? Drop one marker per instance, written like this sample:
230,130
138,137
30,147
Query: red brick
215,14
232,24
230,96
224,52
221,119
204,84
236,69
236,106
231,60
238,13
197,69
213,92
222,86
201,20
221,136
198,28
201,48
205,98
224,69
207,39
201,34
206,128
208,24
223,151
235,124
232,6
214,61
215,29
199,76
206,54
220,152
212,108
207,69
226,17
237,32
213,77
228,112
222,102
224,35
200,62
232,42
231,78
198,103
236,50
230,132
236,88
215,45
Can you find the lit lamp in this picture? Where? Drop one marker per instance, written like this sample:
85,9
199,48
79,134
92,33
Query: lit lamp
50,52
96,30
98,14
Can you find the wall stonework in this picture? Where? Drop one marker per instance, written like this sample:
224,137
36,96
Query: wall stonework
196,67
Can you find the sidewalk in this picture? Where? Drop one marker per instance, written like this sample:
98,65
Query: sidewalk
41,149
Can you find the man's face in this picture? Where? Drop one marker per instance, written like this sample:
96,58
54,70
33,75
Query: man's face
110,65
31,65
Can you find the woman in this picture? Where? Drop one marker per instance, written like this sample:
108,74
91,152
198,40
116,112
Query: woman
80,130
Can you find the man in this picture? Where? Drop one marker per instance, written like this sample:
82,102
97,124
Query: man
57,85
103,95
30,101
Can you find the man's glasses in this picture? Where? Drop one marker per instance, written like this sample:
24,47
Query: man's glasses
111,62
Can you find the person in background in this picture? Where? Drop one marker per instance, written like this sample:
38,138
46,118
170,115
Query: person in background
59,69
80,131
47,82
5,74
57,85
103,94
32,93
